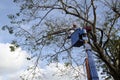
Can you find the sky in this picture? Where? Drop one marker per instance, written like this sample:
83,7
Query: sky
6,7
11,62
14,64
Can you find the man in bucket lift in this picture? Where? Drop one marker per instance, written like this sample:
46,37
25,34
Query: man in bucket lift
78,36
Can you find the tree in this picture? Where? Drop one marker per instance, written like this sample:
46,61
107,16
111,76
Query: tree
47,28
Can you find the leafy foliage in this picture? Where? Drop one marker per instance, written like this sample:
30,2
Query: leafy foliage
12,48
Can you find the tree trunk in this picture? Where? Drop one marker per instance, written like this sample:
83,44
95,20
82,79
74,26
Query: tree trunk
113,71
116,76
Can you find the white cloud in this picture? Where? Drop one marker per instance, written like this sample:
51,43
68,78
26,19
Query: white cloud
11,62
12,66
56,72
61,72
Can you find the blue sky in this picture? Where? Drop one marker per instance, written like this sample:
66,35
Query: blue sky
6,7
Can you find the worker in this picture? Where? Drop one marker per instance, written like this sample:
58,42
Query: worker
73,28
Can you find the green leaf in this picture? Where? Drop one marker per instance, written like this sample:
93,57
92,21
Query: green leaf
28,58
10,30
67,64
12,48
11,16
4,27
18,14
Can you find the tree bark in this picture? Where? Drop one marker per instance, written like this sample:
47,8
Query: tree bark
114,72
